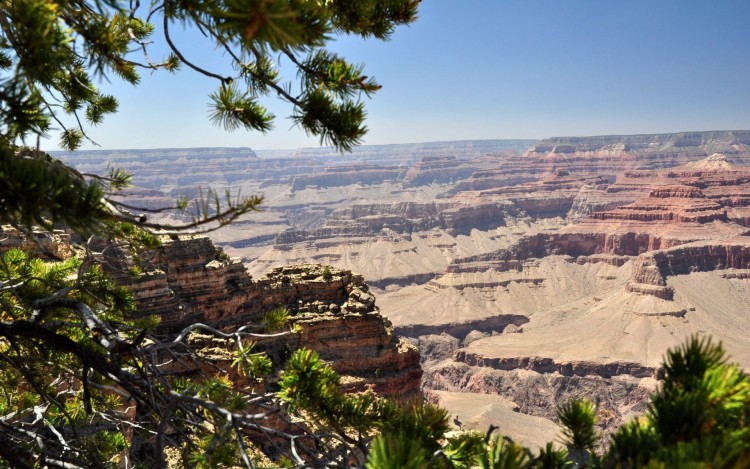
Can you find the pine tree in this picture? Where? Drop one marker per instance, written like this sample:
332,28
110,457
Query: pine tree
53,51
82,380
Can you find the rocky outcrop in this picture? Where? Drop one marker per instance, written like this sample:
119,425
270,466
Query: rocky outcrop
551,195
619,397
670,204
652,143
190,280
548,365
616,154
652,269
55,244
588,244
405,218
180,169
681,206
493,178
460,331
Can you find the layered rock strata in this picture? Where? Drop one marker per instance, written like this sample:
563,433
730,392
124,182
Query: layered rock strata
653,268
619,396
648,143
345,175
190,280
363,222
683,206
438,169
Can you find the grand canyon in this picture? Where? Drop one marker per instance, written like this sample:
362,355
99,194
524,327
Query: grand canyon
523,272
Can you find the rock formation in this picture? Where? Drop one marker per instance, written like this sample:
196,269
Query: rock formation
190,280
438,169
344,175
55,244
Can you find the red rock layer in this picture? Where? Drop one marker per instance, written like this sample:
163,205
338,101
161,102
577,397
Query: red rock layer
653,268
681,225
190,280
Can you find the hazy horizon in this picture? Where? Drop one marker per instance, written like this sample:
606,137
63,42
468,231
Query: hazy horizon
318,147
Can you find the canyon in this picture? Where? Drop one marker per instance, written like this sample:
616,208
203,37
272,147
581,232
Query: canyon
525,272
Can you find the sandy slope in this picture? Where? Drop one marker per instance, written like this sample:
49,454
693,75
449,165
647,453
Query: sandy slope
392,256
582,312
479,411
558,287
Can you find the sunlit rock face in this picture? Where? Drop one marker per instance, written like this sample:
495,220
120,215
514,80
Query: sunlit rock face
51,245
190,280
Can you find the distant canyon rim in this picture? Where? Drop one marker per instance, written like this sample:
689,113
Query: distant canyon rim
526,272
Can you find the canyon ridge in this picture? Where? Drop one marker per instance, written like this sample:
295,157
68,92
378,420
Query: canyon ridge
525,272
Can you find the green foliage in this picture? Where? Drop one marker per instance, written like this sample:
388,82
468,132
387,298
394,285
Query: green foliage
552,458
313,388
104,444
337,124
53,52
136,237
634,442
397,451
135,271
50,46
39,191
502,453
249,363
50,337
425,422
308,383
83,377
578,419
702,395
275,320
223,256
461,450
700,416
232,110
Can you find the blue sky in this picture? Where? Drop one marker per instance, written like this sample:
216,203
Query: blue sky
485,69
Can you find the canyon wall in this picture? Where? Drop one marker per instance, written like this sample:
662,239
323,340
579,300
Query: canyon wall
190,280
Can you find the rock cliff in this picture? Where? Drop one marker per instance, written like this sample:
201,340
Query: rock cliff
620,396
55,244
648,143
190,280
344,175
684,205
438,169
